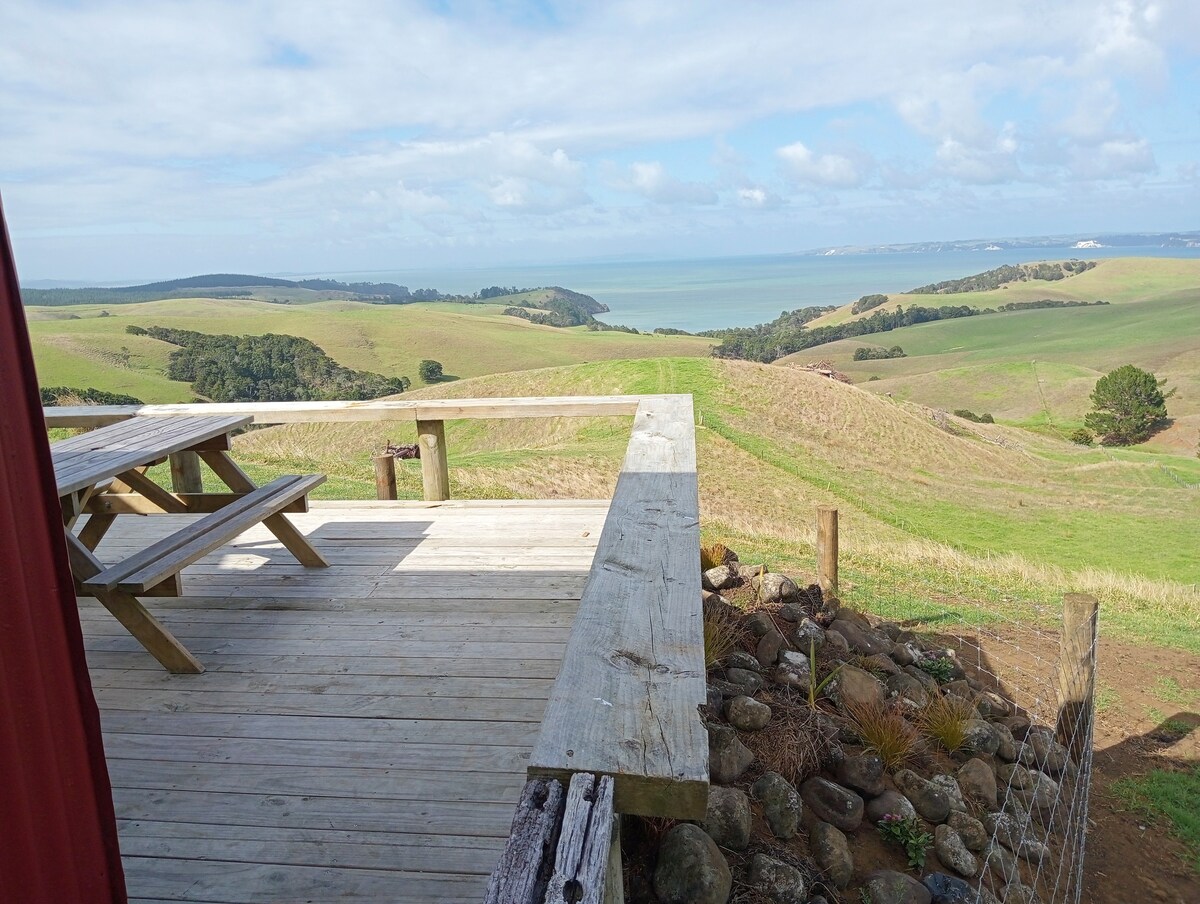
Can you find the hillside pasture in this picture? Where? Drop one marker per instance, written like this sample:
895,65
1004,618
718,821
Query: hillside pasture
468,339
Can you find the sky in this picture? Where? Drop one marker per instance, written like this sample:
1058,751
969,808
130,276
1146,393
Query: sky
146,139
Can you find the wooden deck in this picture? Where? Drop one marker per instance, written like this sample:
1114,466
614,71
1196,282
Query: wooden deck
361,732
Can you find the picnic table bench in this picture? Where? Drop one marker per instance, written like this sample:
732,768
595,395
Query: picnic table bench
101,474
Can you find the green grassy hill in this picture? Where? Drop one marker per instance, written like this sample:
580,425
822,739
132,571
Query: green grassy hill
1037,368
469,339
775,442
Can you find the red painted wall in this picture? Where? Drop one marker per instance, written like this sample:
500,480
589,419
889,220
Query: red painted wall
58,835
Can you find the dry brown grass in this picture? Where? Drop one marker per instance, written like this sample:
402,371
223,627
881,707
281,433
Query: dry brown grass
723,633
884,730
797,741
944,719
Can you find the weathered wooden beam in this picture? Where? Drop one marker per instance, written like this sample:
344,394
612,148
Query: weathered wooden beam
1077,673
625,700
827,549
525,865
385,476
581,860
185,473
378,410
194,503
435,465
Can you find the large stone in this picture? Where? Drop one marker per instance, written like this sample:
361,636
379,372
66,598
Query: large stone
832,803
782,807
1041,751
779,881
908,689
769,647
948,784
792,612
1013,775
1014,834
992,705
885,886
978,782
832,853
1016,893
749,682
1042,798
928,799
881,664
1018,724
740,659
728,818
728,757
747,714
861,640
691,868
773,587
837,643
862,772
969,829
1001,861
904,654
808,630
1006,744
926,680
890,803
720,578
981,737
947,889
854,687
952,852
794,670
759,623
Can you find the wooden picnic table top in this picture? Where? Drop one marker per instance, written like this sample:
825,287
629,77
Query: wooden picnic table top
90,458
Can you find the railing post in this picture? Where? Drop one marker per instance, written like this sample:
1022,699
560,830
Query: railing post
435,468
385,476
185,473
827,549
1077,672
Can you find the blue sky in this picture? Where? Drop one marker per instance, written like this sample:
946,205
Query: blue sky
146,139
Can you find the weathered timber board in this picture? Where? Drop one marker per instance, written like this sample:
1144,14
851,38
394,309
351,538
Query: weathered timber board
625,703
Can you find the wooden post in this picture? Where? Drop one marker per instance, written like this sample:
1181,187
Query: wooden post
614,875
435,468
1077,673
385,476
827,549
185,473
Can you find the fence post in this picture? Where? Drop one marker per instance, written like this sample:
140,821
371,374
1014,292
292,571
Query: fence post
827,549
1077,672
385,476
185,473
435,468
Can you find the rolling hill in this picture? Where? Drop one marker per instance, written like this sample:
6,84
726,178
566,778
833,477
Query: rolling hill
89,346
1036,368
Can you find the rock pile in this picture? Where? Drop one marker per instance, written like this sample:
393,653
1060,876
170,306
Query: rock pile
798,791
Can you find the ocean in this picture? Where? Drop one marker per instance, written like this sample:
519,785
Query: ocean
712,293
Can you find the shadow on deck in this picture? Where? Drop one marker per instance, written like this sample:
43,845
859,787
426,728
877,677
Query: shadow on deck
360,732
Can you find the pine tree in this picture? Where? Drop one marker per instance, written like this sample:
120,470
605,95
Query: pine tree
1128,405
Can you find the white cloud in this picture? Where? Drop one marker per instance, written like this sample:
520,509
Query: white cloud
829,170
651,180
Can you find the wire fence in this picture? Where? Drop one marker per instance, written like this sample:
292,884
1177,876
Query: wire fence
1044,678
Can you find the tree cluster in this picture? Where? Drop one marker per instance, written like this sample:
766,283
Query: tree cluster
867,302
867,353
1008,273
268,368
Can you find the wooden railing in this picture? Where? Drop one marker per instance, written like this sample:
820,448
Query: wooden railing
624,707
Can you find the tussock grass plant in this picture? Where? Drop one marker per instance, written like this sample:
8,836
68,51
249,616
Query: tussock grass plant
712,555
944,719
884,730
723,634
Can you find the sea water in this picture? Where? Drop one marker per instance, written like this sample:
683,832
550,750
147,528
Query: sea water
711,293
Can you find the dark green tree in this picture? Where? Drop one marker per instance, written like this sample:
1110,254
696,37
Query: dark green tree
1128,405
430,371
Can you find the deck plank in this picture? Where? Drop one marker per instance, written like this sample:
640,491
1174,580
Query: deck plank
362,734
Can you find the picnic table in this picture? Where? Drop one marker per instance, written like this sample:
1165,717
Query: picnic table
101,474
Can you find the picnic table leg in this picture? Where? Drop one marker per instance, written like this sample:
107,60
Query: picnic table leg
149,631
287,534
95,529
